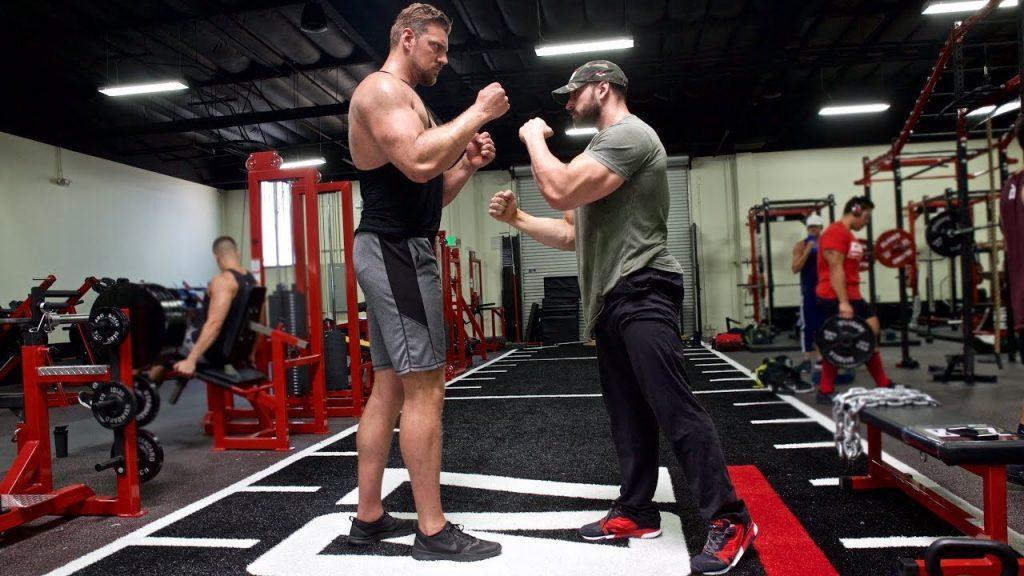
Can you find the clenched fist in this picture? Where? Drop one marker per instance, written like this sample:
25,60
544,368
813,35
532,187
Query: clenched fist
492,101
480,151
535,127
503,206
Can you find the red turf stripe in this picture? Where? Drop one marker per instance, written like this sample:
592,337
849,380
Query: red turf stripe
782,544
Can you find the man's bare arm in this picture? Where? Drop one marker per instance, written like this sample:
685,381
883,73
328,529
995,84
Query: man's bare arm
801,252
836,274
423,153
222,292
556,233
565,186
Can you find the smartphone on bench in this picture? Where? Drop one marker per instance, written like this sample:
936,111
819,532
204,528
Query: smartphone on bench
974,432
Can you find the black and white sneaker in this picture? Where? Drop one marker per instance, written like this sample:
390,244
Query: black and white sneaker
387,526
451,543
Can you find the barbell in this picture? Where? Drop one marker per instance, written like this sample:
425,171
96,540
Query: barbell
945,236
105,326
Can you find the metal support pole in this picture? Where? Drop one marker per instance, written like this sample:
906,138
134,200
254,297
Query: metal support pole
872,288
769,276
967,248
905,360
1012,342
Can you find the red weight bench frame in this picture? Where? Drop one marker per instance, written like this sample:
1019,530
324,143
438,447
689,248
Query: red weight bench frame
28,482
271,418
883,475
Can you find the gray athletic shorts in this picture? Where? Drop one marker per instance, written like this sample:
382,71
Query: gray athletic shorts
402,286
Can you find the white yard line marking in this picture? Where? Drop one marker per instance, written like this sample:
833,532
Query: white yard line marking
805,445
556,359
711,364
719,371
281,489
524,397
889,542
785,421
239,543
492,371
824,481
477,379
142,534
334,454
745,378
731,390
465,387
758,403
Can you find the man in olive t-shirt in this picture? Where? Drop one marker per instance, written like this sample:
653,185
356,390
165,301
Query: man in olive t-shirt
615,200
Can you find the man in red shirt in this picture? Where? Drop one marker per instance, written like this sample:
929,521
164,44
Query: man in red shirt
838,291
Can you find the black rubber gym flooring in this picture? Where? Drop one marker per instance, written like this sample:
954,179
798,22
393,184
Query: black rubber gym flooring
527,459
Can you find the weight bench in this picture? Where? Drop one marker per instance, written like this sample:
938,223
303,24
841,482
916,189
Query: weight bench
926,429
266,425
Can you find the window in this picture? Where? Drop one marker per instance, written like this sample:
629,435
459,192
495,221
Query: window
276,205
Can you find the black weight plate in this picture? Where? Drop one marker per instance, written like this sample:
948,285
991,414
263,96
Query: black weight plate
107,327
113,405
159,318
149,451
148,396
846,343
941,235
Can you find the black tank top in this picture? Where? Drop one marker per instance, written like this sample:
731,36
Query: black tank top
223,350
394,205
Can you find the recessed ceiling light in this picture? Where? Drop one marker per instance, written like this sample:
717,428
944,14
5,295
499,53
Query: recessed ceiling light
582,47
581,131
303,163
966,6
132,89
853,109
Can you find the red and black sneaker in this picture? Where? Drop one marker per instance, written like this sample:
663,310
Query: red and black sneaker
617,524
727,541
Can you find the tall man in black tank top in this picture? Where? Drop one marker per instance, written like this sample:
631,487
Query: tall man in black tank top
409,168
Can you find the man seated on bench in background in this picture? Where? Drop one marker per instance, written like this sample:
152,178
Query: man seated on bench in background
224,296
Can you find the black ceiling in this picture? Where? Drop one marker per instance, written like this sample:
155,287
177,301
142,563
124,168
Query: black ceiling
712,76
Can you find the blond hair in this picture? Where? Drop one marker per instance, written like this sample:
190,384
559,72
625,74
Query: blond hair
416,17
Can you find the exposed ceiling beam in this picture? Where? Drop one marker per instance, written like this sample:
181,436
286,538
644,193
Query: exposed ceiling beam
228,121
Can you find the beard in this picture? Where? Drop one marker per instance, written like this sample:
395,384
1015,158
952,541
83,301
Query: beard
584,116
427,76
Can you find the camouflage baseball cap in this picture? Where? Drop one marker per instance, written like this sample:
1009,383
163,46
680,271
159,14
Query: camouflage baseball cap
593,71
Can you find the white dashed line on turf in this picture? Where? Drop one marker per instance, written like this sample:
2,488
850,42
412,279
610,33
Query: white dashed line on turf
784,421
281,489
238,543
824,481
889,542
805,445
758,403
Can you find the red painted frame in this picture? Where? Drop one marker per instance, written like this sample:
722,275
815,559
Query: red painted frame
882,475
31,473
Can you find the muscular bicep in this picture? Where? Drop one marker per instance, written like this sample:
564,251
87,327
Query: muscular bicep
221,295
590,180
395,126
834,258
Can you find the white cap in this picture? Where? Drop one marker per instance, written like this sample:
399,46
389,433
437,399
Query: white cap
814,220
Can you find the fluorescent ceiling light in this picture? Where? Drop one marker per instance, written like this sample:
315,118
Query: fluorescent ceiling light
1010,106
581,131
983,111
132,89
581,47
853,109
968,6
303,163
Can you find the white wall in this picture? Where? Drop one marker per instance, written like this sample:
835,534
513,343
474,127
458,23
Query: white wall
724,188
114,220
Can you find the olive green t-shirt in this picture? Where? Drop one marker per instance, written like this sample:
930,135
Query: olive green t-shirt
626,230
